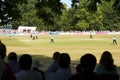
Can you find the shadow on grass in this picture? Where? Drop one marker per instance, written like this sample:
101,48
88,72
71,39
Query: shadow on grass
46,61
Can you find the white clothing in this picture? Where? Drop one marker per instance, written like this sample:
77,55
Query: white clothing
114,38
28,75
52,37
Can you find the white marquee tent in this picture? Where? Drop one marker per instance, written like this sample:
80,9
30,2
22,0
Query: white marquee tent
22,29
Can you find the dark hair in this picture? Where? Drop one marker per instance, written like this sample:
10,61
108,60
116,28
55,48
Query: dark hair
12,56
78,68
25,62
3,51
64,60
107,60
56,55
88,62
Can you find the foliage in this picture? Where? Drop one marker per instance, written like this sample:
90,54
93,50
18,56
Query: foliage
9,10
116,6
84,15
47,8
110,18
83,20
82,25
28,16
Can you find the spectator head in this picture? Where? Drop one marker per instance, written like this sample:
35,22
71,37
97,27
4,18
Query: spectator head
56,55
12,56
78,68
88,62
64,60
107,60
2,50
25,62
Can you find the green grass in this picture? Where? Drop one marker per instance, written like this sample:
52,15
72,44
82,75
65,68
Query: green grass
75,45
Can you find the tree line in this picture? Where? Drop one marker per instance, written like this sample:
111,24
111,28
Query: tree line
52,15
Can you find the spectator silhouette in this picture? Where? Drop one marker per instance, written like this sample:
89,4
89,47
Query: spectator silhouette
63,73
78,68
106,65
36,65
87,62
54,66
6,72
26,73
12,61
106,68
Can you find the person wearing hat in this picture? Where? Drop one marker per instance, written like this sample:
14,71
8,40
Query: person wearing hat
36,65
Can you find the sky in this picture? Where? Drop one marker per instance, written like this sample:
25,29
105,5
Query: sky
68,2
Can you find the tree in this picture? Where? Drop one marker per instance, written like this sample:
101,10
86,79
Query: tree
9,10
82,26
28,16
46,9
110,17
53,15
84,20
92,5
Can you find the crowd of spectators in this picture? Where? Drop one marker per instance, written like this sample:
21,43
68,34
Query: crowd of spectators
28,32
25,69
